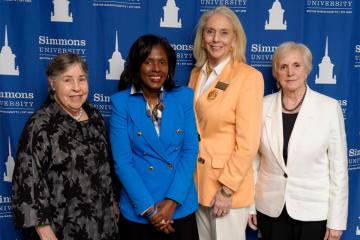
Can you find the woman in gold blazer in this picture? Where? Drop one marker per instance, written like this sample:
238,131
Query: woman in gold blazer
228,106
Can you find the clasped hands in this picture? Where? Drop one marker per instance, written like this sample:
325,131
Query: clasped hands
162,219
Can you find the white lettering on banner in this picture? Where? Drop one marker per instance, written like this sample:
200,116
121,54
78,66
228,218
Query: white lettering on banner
223,2
261,55
44,40
187,47
5,199
19,1
102,103
21,95
357,48
262,48
329,7
320,3
354,152
16,102
128,4
99,97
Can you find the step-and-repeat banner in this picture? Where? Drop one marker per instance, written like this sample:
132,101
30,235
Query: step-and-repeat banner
102,31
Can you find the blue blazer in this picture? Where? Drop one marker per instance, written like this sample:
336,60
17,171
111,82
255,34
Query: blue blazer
151,167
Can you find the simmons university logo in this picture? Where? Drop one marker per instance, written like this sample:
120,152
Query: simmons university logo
238,6
10,165
276,17
61,11
261,55
102,103
171,15
329,6
116,63
7,59
326,69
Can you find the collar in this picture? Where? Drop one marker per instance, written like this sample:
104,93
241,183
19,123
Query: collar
134,92
218,69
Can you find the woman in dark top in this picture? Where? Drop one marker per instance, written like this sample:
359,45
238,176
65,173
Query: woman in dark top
302,181
62,183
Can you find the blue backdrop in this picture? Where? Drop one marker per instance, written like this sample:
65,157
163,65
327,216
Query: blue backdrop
31,33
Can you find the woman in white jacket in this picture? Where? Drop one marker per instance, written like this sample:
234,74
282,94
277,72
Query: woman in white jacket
302,178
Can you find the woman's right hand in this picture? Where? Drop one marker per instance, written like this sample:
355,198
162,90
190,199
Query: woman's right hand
45,232
252,221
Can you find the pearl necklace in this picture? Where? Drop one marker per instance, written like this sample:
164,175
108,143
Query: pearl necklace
78,116
297,106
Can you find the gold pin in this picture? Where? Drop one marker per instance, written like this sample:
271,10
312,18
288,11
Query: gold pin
212,95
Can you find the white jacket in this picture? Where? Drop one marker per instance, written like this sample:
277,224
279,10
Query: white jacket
314,183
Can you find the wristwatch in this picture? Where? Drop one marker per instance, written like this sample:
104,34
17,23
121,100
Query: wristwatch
225,192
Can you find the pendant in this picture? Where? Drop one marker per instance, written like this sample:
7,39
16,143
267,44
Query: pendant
212,95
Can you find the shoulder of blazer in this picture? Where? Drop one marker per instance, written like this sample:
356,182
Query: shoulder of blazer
120,97
243,68
194,76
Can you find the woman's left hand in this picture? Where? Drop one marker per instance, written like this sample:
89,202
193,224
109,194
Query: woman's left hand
221,204
163,219
332,234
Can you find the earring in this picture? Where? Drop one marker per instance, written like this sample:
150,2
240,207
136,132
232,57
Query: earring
231,49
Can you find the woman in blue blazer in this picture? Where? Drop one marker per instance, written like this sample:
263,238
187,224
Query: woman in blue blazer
154,144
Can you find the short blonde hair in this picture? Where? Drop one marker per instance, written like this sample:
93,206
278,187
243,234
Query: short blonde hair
239,49
286,47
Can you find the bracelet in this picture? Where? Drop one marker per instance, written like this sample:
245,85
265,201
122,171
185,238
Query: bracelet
152,213
224,193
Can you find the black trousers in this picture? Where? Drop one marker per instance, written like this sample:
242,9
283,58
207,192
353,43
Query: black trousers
185,229
286,228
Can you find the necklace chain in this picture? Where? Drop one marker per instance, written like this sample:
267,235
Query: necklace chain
78,116
297,106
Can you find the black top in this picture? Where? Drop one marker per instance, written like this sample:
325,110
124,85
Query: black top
288,125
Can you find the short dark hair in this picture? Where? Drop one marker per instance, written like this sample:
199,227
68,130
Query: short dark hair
60,63
139,51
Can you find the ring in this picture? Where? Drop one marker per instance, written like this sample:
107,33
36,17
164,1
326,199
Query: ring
163,222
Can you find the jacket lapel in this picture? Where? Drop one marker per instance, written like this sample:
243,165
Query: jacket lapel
137,111
301,126
274,129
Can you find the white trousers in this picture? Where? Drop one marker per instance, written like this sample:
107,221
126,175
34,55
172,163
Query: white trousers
230,227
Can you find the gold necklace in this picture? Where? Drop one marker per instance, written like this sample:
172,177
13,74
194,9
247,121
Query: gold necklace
208,69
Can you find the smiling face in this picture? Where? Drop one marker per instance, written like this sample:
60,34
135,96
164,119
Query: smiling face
218,37
291,71
71,88
154,70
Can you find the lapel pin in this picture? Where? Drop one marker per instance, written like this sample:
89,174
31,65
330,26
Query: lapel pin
139,134
212,95
178,131
221,85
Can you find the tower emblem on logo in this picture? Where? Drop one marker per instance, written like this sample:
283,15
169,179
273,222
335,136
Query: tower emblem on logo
357,230
7,59
10,165
61,11
326,69
276,17
116,63
171,15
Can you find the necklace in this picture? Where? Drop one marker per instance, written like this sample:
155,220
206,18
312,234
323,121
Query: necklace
78,116
208,69
297,106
